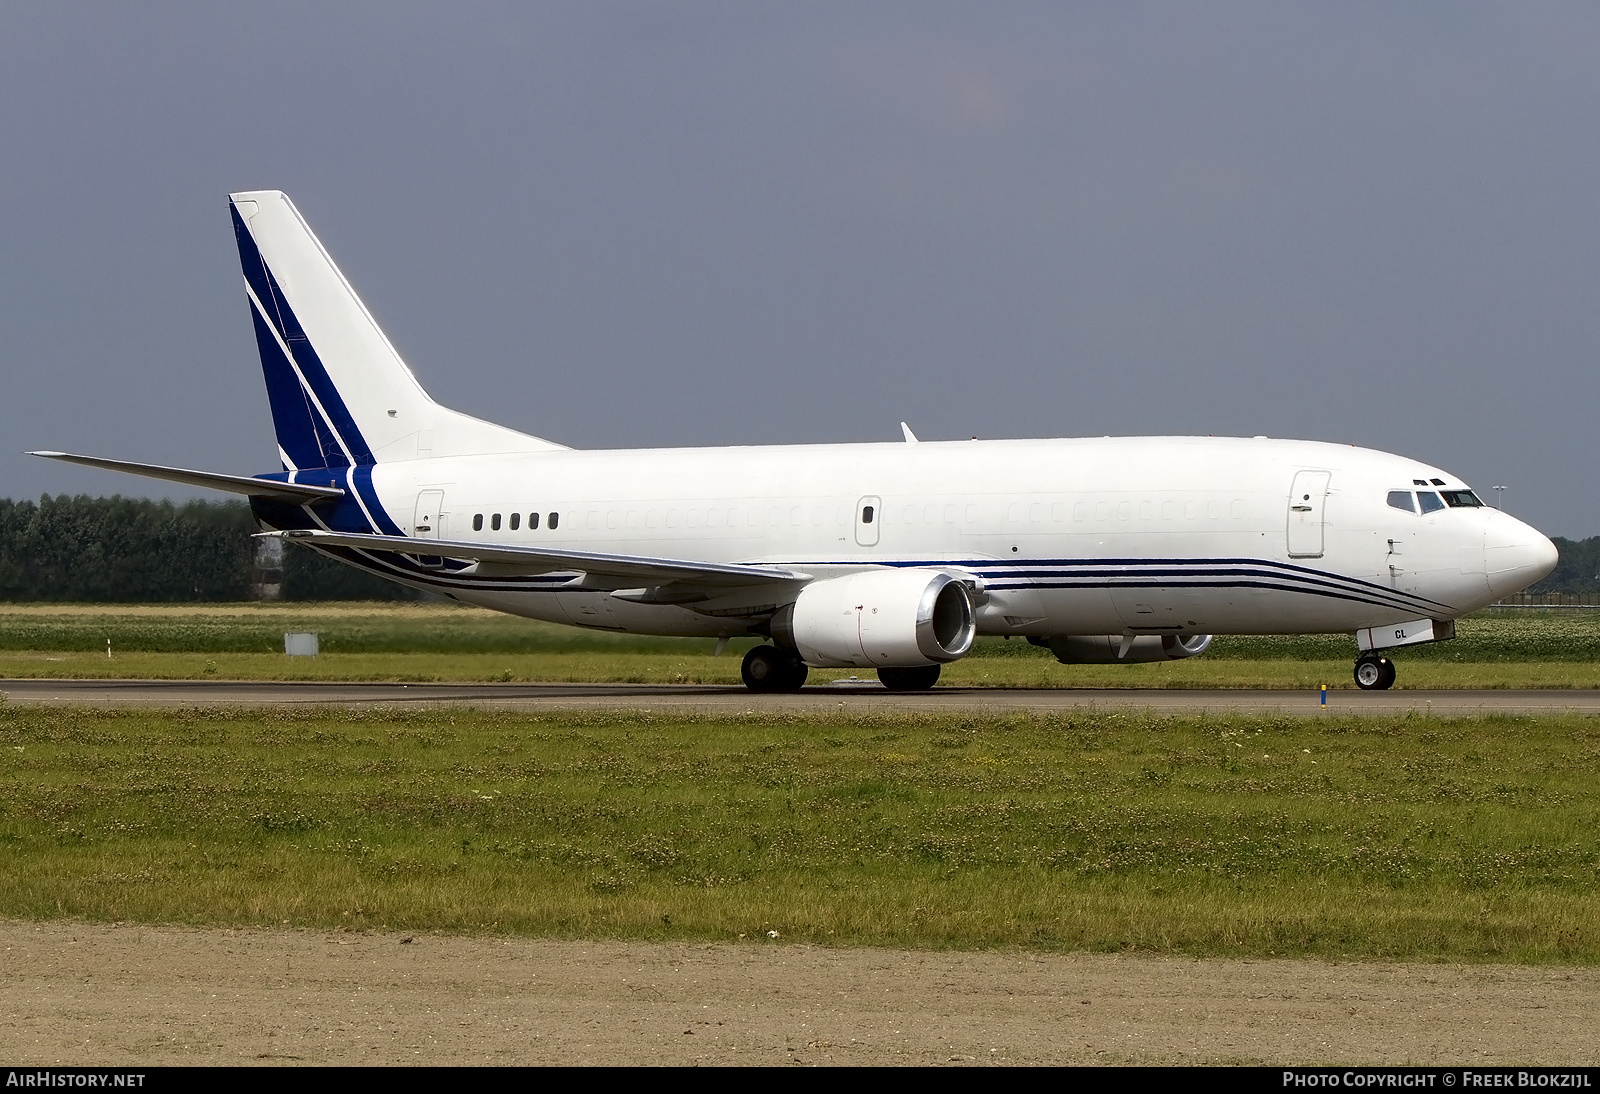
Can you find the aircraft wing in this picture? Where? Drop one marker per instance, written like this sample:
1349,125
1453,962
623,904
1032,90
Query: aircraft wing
233,484
543,560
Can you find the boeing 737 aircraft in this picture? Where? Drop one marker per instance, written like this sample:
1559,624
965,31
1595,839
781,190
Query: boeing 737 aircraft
893,557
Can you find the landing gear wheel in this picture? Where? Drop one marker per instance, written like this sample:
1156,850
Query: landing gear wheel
767,668
917,679
1374,674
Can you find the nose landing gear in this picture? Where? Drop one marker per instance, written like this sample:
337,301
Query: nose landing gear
1374,673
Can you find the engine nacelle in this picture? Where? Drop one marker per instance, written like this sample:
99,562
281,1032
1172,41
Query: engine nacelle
1101,649
901,618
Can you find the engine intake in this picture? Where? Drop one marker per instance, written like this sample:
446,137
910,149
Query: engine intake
1101,649
900,618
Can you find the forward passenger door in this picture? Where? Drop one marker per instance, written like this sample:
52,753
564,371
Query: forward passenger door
1308,498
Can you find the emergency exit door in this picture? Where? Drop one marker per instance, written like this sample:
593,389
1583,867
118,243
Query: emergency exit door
869,515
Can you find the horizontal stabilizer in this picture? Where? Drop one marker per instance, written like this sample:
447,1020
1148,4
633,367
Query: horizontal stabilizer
233,484
544,560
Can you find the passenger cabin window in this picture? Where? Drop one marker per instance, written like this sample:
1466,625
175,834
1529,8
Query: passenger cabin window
555,521
1430,501
494,523
533,521
516,519
477,522
1401,499
1460,499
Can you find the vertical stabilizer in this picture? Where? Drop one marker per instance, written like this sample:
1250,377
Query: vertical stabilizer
340,394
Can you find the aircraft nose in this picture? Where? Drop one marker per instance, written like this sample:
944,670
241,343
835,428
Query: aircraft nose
1515,555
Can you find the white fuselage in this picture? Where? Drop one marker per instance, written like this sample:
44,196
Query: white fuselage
892,556
1078,536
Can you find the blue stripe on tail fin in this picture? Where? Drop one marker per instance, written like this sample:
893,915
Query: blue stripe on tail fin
293,418
314,427
341,395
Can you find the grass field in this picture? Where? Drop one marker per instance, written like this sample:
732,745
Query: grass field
411,642
1410,838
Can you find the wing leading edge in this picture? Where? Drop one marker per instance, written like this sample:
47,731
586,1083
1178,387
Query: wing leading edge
543,560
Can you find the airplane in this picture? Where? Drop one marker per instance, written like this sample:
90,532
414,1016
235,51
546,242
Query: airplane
889,556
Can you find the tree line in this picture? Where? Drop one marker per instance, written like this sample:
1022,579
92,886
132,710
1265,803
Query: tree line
1577,571
134,550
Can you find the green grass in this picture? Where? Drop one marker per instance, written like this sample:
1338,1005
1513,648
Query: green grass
369,627
343,628
409,642
1407,838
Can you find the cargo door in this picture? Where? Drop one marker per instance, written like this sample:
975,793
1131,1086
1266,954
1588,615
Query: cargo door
1308,498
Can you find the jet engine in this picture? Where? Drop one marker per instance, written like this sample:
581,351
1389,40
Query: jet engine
901,618
1102,649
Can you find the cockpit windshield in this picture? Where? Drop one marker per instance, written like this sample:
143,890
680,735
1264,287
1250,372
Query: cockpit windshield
1429,501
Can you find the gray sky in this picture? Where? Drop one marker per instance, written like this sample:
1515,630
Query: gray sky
621,225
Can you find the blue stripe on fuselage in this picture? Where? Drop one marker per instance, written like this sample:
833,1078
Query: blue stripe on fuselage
344,515
361,479
348,517
1121,571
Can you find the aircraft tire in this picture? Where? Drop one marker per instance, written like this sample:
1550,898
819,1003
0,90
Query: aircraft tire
796,678
768,668
1374,674
917,679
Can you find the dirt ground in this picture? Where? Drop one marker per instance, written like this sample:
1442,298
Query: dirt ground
76,993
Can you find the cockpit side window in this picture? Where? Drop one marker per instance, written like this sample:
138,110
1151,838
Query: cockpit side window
1460,499
1401,499
1430,501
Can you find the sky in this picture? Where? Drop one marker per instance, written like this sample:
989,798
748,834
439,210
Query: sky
649,224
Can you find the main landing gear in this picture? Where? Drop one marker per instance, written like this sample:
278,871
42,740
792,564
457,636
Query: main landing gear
772,668
1374,673
768,668
917,679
